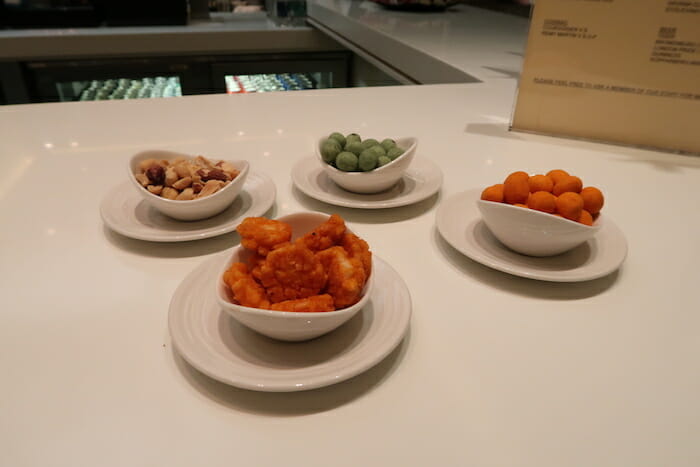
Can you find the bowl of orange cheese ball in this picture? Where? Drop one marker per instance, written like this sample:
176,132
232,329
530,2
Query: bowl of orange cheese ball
296,277
542,214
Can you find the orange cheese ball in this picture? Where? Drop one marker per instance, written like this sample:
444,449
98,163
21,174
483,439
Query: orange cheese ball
516,188
520,205
592,199
540,183
586,218
493,193
568,183
557,174
543,201
570,205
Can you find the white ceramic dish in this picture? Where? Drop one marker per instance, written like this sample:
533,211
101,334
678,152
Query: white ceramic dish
460,224
420,181
284,325
532,232
374,181
124,211
221,348
196,209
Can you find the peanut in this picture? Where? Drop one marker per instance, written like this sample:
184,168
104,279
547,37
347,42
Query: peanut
142,179
182,183
155,189
211,187
182,170
186,195
170,176
169,193
203,162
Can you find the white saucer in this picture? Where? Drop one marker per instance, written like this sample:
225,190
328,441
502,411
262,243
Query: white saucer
223,349
125,212
422,180
459,222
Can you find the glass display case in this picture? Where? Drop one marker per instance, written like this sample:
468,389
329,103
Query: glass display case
122,88
137,78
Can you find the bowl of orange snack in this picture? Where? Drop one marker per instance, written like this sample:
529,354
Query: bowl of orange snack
296,277
185,187
542,215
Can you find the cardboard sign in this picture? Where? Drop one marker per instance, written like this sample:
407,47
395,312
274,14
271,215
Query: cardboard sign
625,71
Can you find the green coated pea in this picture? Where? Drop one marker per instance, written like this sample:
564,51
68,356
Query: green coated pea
338,137
354,147
393,153
330,150
367,160
368,143
378,150
352,137
383,160
346,161
388,143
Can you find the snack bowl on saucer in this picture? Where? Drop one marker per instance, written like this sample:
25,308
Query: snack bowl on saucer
374,181
534,233
194,209
287,325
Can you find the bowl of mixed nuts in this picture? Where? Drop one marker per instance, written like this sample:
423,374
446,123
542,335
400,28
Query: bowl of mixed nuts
186,187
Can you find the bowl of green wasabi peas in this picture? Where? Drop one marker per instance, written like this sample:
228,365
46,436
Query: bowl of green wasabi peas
365,166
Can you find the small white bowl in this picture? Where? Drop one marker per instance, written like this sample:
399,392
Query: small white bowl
195,209
534,233
287,325
374,181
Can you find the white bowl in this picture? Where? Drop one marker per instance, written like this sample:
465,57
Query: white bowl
374,181
287,325
534,233
195,209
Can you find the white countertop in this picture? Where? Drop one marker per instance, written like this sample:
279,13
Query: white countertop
495,371
460,44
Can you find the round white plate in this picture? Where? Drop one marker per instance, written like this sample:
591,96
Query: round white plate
459,222
223,349
125,212
422,180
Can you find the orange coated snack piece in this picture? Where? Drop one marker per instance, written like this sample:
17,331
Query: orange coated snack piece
586,218
592,199
324,270
516,188
493,193
568,183
557,175
244,288
557,193
540,183
570,205
261,235
543,201
291,272
325,235
312,304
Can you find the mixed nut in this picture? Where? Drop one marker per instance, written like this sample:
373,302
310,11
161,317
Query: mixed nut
185,179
